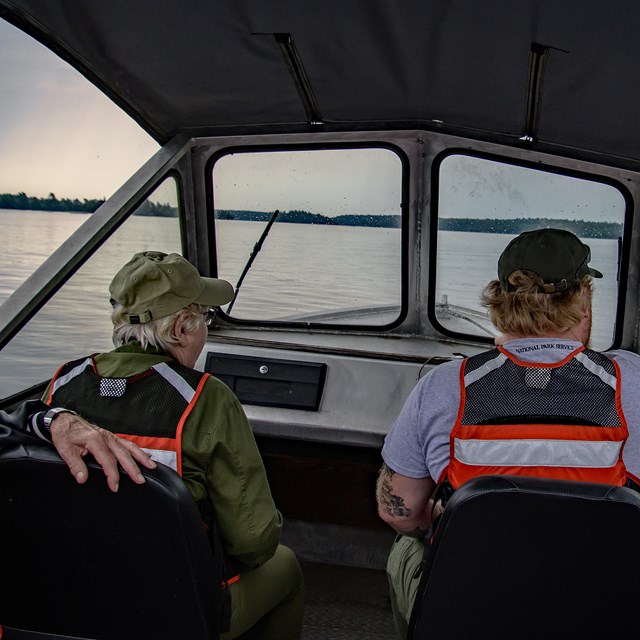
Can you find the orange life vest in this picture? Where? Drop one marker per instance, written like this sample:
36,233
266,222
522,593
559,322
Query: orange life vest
149,408
560,420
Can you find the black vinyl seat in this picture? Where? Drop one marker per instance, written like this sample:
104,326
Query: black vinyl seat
80,561
517,557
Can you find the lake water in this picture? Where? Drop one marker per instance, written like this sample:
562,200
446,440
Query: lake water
316,268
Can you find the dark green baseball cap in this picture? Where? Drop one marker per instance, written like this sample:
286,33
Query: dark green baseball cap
559,257
154,285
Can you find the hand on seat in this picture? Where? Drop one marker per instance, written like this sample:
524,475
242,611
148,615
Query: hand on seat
74,437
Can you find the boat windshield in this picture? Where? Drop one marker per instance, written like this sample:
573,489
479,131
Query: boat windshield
311,261
484,203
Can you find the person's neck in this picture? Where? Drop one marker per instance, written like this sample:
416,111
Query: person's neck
573,334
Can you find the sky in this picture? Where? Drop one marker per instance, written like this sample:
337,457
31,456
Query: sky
329,182
58,133
477,187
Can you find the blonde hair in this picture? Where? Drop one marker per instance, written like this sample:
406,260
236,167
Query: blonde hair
157,333
527,312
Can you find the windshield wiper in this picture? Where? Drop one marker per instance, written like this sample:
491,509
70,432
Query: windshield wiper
256,250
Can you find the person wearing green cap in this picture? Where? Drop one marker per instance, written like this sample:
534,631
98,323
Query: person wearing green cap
540,404
147,391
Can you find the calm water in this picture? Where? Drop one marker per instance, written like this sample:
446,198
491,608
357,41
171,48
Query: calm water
76,320
325,259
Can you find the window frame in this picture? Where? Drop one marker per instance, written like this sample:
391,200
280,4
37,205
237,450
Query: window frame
404,228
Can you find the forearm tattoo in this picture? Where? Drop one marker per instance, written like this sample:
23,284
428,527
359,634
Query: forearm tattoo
393,505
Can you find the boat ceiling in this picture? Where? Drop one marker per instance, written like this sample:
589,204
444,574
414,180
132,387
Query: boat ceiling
236,66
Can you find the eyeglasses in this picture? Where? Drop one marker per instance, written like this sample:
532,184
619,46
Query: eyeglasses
209,315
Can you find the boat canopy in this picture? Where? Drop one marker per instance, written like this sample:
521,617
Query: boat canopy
553,74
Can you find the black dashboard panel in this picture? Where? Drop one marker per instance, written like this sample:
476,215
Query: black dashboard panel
270,382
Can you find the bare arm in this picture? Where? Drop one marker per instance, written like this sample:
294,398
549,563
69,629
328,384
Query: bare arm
403,501
74,437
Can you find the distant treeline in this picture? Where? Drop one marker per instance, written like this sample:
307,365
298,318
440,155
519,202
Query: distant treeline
51,203
148,208
582,228
304,217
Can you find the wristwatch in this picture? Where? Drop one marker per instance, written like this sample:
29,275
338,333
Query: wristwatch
50,415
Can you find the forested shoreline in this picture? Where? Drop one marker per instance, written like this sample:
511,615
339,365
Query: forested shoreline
22,201
50,203
514,226
582,228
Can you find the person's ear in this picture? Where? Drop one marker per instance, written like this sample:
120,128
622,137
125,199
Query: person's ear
178,330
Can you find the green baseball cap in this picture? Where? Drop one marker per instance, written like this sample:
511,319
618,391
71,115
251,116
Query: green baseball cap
559,257
154,285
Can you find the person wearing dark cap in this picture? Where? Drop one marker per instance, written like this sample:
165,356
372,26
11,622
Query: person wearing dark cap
540,404
147,391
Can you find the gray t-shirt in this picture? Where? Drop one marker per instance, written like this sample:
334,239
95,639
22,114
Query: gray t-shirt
417,446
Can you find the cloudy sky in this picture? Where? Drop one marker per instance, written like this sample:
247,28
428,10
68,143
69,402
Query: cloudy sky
58,133
330,182
476,187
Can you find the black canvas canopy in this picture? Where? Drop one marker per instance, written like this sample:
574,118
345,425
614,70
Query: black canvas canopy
556,73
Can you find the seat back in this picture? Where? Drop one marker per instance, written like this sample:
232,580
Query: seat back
81,561
523,557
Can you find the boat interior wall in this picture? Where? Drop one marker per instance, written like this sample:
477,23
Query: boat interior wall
543,70
325,492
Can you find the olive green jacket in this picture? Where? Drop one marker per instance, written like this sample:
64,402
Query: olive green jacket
220,460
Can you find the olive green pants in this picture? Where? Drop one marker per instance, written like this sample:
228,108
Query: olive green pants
404,560
267,603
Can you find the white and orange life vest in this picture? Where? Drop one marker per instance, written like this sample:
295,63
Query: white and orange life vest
560,420
149,408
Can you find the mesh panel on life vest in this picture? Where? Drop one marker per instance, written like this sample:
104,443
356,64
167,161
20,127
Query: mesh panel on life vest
514,394
149,405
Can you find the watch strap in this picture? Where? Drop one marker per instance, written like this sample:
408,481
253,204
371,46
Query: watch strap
51,414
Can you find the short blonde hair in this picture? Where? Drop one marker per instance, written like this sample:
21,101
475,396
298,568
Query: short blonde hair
527,312
157,333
